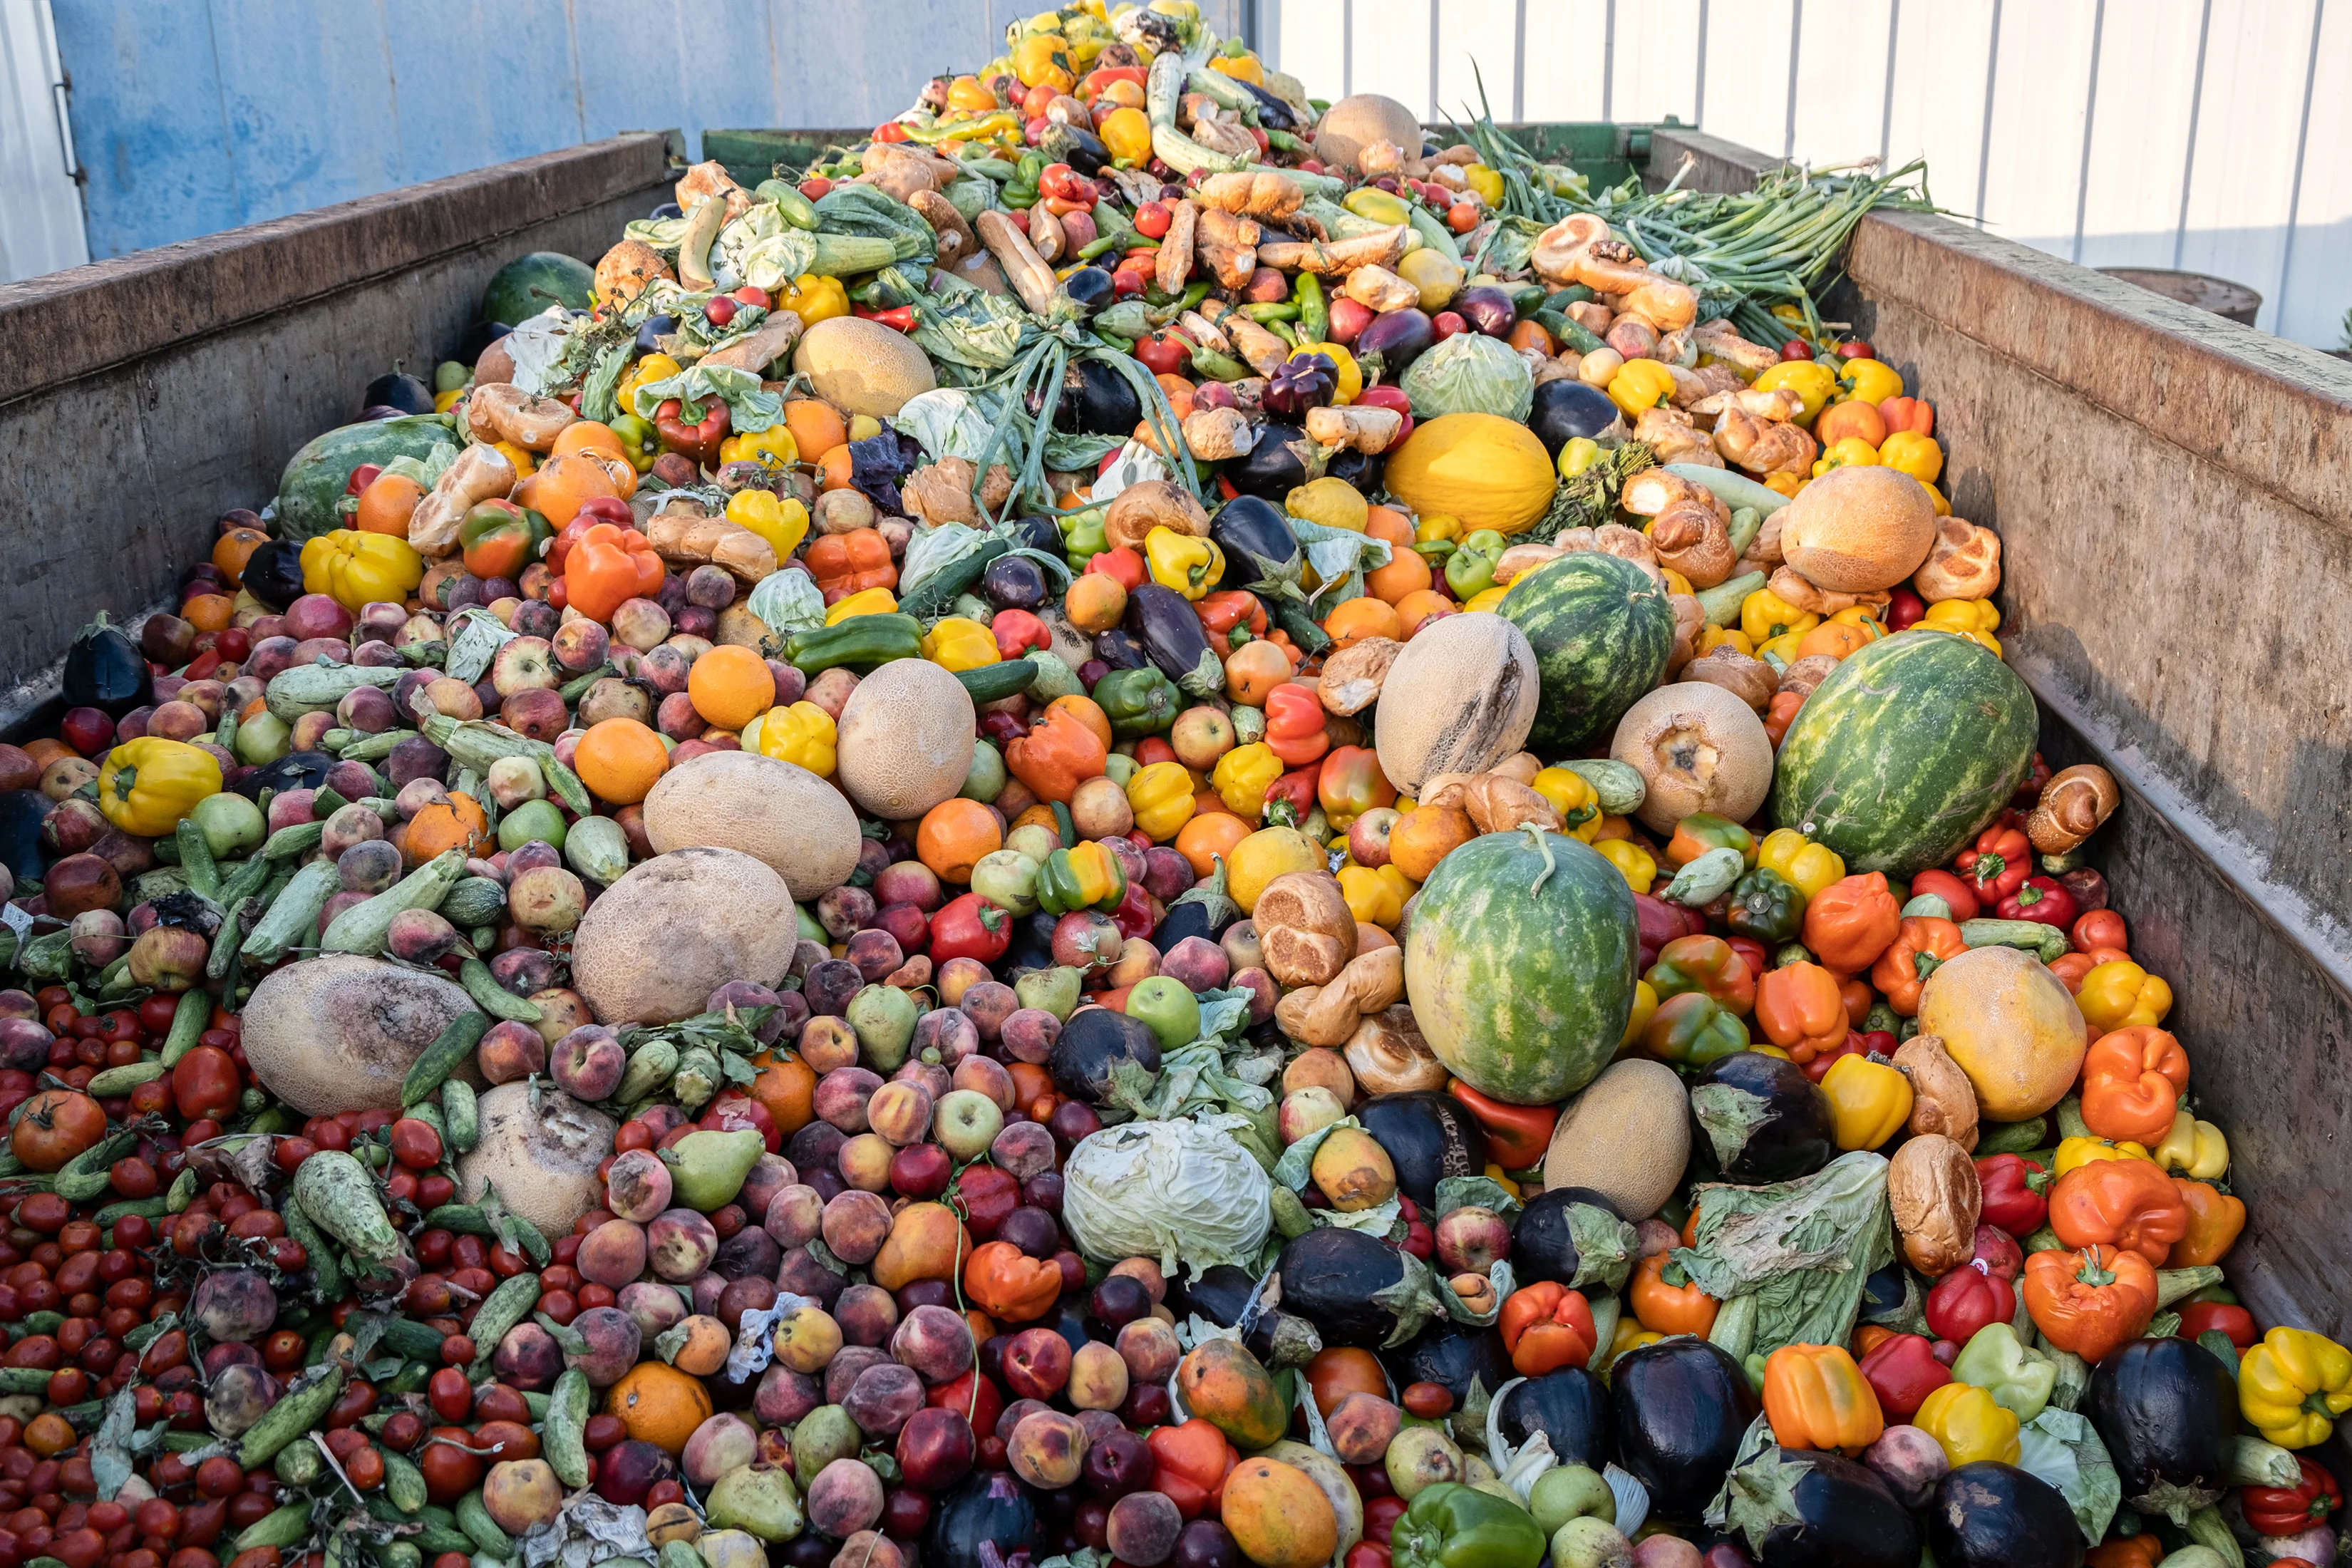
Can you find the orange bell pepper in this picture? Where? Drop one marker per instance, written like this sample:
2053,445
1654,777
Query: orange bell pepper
1517,1135
851,562
2140,1552
2126,1203
2133,1079
1058,755
1922,944
1911,414
1547,1326
1193,1461
1294,724
1801,1007
1816,1397
1668,1309
2215,1221
609,566
1780,715
1850,922
1011,1286
2090,1301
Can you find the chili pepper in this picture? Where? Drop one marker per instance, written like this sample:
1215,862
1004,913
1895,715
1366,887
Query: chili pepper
802,734
1854,920
1161,795
696,437
1800,1009
1547,1326
2091,1301
1517,1135
1922,945
2293,1385
1869,1101
1692,1031
2120,993
1969,1425
147,784
1669,1307
2012,1199
2193,1148
1290,799
1766,907
355,569
2227,1319
2290,1511
897,318
1295,729
1450,1525
1998,863
1018,631
957,644
1902,1371
2019,1379
1816,1397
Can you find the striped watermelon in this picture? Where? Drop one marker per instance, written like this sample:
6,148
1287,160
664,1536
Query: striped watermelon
1519,964
1909,749
1601,629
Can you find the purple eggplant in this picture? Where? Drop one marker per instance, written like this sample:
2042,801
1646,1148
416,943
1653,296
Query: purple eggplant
1487,309
1165,623
1394,340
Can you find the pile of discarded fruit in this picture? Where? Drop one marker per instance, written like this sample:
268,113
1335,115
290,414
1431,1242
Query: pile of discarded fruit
1148,825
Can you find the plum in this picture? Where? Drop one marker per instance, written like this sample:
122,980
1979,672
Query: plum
769,1175
1144,1529
1036,1363
750,1253
935,1449
626,1471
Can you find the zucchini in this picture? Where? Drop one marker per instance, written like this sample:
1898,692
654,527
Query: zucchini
292,916
363,928
300,1410
442,1056
1732,489
860,639
338,1195
994,682
1721,602
317,688
563,1435
597,847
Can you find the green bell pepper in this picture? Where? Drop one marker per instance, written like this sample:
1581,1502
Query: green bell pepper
1083,877
1138,702
1450,1525
1470,570
1995,1360
1767,906
1082,537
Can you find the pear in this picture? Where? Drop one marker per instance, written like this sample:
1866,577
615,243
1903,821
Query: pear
707,1169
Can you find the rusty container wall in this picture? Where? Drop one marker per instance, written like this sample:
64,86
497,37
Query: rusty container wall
2174,496
140,398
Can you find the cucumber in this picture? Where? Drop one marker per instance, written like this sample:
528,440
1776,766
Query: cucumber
475,1520
295,1413
292,916
561,1438
404,1483
438,1539
462,1115
1732,489
501,1310
338,1195
442,1056
196,859
994,682
492,997
117,1081
596,849
188,1020
283,1527
324,1268
299,1464
363,928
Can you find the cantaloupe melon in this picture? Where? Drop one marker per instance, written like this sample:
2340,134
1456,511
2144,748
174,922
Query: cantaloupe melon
1458,700
863,367
768,809
1627,1137
542,1157
906,740
339,1033
1352,124
656,943
1698,748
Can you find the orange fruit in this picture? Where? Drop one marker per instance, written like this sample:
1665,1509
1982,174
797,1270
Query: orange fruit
619,760
557,490
1363,617
234,549
658,1403
588,435
385,504
1208,835
816,428
787,1087
833,468
209,612
731,686
953,836
1418,608
458,823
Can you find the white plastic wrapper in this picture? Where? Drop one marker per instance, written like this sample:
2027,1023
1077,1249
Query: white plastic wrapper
1178,1191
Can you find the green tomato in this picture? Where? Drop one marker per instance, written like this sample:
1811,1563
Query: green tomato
1121,768
534,819
230,823
1168,1009
1007,879
984,780
449,376
262,739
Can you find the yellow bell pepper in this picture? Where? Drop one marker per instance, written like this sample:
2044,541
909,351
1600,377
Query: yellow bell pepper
1182,562
960,643
1639,385
1782,649
1725,636
525,462
1635,864
1485,599
1126,135
1487,182
355,569
1853,452
146,786
802,733
2293,1385
1868,381
1810,380
445,401
1242,776
1629,1335
1645,1005
772,448
867,602
1675,582
2120,993
1241,67
1371,896
1942,507
652,367
1437,528
1577,454
1764,614
1161,795
1907,451
2075,1152
813,298
2193,1148
782,523
1975,619
1806,866
1573,798
1967,1424
1869,1101
1787,484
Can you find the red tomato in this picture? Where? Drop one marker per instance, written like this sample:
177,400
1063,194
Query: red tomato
204,1084
55,1125
414,1144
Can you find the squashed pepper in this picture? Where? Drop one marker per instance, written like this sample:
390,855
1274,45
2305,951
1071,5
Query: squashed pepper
2215,1221
1995,1360
1017,631
1641,384
1241,777
1059,753
1916,455
2126,1203
1185,562
1816,1397
1851,922
1706,964
1902,1370
1692,1031
1922,945
1998,863
1450,1525
1765,615
2119,994
1573,798
772,448
1295,729
2133,1079
1969,1425
2193,1148
802,734
1869,1101
1701,831
355,569
1545,1326
1008,1284
607,567
498,538
1812,868
1852,452
146,785
958,643
1374,897
782,523
2292,1386
1352,784
2090,1301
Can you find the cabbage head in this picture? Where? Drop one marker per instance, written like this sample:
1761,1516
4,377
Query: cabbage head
1470,373
1183,1190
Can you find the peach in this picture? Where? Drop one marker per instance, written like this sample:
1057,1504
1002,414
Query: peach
855,1227
636,1186
1036,1363
807,1338
520,1495
841,1095
867,1314
864,1162
1361,1426
720,1444
680,1244
587,1063
656,1308
883,1397
613,1339
794,1216
1098,1377
846,1496
1149,1347
510,1052
785,1395
769,1175
1047,1449
612,1255
936,1341
1022,1150
900,1112
978,1075
1029,1034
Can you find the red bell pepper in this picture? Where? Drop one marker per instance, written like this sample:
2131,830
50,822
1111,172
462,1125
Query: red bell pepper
362,477
1998,862
1966,1299
2014,1186
1955,892
1290,799
1857,1044
1903,1370
1751,952
1222,611
698,436
2233,1322
1912,413
2041,899
1193,1461
1545,1326
971,927
1517,1135
1352,784
1294,724
2028,793
1125,564
899,318
2290,1511
1018,631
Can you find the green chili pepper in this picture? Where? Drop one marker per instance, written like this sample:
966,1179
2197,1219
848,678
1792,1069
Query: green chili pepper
1314,315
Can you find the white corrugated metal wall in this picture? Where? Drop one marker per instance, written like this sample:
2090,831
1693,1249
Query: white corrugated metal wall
40,206
2211,135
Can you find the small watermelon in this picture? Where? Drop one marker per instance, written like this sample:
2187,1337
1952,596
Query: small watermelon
529,284
1601,629
1519,964
1906,752
317,476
